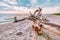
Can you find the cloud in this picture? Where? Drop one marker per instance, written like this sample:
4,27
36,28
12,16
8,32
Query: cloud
48,0
33,2
18,8
11,1
8,9
25,10
15,10
51,10
3,4
18,5
12,12
10,4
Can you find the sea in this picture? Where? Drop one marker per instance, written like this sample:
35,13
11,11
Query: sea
6,18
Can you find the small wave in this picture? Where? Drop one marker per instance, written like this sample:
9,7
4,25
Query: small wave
9,17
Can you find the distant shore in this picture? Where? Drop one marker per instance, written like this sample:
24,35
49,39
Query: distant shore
57,14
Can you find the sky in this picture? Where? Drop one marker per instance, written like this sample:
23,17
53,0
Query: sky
20,6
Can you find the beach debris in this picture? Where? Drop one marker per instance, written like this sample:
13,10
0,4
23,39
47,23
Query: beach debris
19,33
36,18
15,19
37,15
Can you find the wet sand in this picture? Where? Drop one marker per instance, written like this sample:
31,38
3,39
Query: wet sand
53,19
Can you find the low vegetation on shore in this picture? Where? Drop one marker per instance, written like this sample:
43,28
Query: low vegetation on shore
57,14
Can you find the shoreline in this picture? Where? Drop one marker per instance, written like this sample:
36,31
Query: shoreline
9,31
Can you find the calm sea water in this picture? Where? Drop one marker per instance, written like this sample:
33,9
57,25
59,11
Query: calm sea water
5,18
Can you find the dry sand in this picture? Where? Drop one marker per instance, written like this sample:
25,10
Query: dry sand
23,31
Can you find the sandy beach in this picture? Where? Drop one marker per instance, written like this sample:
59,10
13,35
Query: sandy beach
23,31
